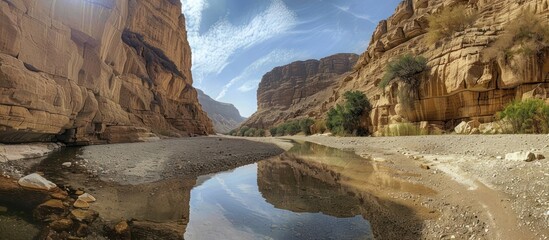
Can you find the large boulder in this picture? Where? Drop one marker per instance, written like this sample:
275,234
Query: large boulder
521,156
471,127
35,181
26,198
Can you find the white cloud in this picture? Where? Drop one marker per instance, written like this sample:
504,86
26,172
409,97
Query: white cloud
193,13
212,50
347,9
252,73
248,86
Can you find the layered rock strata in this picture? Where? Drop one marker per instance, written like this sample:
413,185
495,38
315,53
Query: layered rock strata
95,71
299,89
461,84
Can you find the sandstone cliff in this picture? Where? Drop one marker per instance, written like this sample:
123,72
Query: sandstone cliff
460,85
299,89
225,117
95,71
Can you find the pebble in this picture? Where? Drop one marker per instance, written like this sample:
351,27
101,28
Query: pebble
81,204
86,197
67,164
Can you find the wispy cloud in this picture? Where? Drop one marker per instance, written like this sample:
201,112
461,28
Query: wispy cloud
193,13
250,74
213,49
348,10
248,86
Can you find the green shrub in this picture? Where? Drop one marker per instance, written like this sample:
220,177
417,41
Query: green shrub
232,132
343,120
273,131
279,131
529,116
250,132
405,69
305,125
319,126
525,35
291,128
450,20
243,130
260,133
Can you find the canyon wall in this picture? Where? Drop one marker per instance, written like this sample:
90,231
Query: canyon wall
460,85
95,71
225,116
299,89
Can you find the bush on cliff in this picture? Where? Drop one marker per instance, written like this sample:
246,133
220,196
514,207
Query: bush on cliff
346,119
450,20
525,35
405,69
528,116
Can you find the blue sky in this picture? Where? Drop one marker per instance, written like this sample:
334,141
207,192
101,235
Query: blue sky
235,42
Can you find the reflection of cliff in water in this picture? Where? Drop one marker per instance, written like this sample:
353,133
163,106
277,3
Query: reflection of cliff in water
314,178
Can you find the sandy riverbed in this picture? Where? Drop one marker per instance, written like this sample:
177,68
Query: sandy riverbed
480,195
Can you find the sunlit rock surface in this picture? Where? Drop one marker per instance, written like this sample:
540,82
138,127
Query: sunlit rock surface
92,71
459,86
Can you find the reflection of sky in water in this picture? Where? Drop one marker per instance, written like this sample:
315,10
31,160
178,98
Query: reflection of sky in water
230,206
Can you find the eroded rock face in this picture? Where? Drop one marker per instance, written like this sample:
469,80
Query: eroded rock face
298,89
75,70
460,85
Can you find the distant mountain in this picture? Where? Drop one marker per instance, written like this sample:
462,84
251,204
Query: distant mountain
225,116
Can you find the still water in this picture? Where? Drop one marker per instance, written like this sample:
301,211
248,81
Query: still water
230,205
309,192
